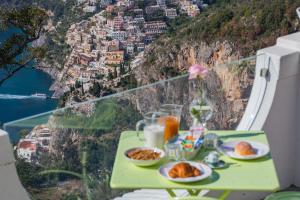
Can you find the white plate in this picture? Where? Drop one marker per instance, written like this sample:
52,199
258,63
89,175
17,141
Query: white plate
145,163
205,170
228,149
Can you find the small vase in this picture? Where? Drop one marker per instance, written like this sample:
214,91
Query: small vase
201,112
197,128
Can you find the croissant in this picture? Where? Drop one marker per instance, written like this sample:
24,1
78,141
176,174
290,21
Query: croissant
184,170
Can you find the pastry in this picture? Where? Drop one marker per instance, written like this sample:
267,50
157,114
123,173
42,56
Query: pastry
244,149
184,170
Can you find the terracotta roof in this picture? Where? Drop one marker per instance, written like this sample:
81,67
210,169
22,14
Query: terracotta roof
27,145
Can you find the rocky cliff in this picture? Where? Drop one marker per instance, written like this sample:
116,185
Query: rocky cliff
227,87
225,33
164,59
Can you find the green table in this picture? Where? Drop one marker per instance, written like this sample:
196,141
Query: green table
255,175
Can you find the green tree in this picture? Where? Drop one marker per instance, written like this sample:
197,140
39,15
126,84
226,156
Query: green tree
23,133
17,51
28,173
110,75
77,84
95,90
141,4
115,72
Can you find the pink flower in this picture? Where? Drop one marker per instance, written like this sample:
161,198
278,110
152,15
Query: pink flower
197,71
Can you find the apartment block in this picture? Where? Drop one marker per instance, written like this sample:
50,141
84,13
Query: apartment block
114,57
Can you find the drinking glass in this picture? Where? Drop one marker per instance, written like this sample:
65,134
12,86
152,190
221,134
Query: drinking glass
172,121
173,151
211,141
153,128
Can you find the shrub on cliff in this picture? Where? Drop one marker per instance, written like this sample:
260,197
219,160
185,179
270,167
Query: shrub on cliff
248,24
28,173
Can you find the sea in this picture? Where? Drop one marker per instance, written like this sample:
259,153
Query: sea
16,101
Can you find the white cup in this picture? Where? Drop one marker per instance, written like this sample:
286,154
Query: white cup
213,157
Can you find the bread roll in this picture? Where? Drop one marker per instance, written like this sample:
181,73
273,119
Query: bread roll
244,149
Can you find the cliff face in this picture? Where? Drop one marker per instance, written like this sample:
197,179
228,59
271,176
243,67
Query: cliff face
227,87
164,59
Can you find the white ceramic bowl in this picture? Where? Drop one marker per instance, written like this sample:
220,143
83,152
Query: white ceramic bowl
145,163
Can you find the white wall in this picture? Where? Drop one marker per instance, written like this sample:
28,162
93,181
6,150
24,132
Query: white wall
10,186
278,110
281,122
297,168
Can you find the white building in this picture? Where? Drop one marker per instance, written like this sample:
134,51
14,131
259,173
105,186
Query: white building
138,20
81,1
27,149
119,35
152,9
161,3
93,2
140,47
89,9
105,2
84,77
155,27
130,48
171,13
138,13
41,135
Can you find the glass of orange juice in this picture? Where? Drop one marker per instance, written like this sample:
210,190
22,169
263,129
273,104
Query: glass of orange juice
172,121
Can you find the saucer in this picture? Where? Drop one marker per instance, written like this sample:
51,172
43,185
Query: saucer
218,165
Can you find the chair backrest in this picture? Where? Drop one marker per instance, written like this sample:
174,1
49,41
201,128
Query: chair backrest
284,196
194,198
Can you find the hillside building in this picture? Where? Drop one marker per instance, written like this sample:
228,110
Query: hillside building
114,57
171,13
27,150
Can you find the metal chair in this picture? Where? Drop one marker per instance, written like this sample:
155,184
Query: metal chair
284,196
194,198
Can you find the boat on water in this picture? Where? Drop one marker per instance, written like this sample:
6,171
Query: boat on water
39,95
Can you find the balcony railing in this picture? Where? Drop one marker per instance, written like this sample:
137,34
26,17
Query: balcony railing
73,148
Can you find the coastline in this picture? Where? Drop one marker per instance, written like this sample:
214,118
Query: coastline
51,70
54,73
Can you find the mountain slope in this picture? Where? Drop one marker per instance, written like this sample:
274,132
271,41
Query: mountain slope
227,31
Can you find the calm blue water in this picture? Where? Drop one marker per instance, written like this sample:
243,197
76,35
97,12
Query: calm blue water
15,102
23,84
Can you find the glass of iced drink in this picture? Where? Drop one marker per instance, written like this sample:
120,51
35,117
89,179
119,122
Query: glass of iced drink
172,120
